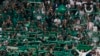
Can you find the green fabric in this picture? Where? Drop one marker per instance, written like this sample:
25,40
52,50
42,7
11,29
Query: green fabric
2,48
27,24
14,14
74,33
4,16
68,30
14,21
71,32
62,53
22,48
61,9
58,53
84,47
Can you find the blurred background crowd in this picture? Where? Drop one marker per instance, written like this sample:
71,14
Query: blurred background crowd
49,27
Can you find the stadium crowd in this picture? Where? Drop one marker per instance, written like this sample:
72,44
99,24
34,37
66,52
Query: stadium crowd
54,27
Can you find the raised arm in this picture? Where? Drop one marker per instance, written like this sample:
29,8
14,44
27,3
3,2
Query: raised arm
73,47
77,50
91,49
88,51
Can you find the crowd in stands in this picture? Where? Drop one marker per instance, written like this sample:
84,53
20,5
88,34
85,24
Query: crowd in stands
50,28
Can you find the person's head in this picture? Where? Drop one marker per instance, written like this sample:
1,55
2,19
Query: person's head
82,51
66,47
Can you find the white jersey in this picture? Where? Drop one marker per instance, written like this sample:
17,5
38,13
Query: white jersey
83,53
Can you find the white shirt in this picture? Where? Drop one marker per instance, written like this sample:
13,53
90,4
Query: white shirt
12,47
83,53
97,18
71,2
39,17
5,42
48,2
0,29
78,3
98,49
81,12
68,5
90,25
57,21
95,28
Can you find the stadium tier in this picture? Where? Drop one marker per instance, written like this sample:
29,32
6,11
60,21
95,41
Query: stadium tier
50,28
